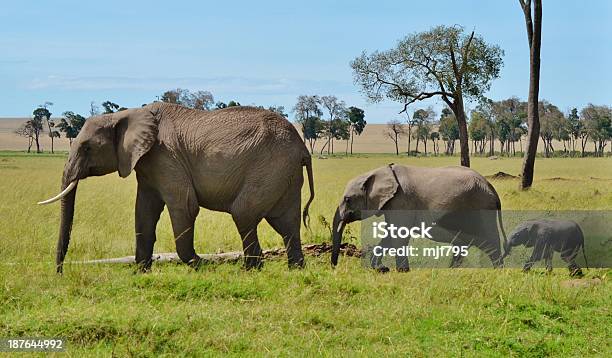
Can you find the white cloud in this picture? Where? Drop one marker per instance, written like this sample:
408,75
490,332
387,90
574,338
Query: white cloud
221,84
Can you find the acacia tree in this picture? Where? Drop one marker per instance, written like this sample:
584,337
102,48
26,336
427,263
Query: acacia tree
509,116
335,109
36,125
308,114
71,124
435,138
395,129
449,132
357,122
27,131
202,100
422,119
598,125
575,126
110,107
442,62
478,131
534,38
42,114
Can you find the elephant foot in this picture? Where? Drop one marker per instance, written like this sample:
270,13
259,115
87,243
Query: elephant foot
576,272
298,265
143,268
403,269
195,262
382,269
295,259
143,265
253,263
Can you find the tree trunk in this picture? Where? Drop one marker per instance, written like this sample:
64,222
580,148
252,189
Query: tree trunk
409,137
534,34
352,136
463,133
396,145
37,143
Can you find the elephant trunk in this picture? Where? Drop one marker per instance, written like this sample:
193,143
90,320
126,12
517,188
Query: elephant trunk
67,216
337,229
507,248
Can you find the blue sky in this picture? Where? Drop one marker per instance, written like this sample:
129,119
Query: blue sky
269,52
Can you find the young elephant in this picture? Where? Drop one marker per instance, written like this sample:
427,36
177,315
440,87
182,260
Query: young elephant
457,191
243,161
547,237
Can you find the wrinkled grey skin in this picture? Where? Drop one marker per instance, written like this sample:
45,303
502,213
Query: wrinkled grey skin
244,161
547,237
448,189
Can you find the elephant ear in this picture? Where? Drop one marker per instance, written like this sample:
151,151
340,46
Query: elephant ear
380,187
135,133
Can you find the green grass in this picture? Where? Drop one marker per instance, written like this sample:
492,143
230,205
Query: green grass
104,309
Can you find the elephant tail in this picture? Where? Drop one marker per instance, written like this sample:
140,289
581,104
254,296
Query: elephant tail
307,162
501,228
499,217
586,263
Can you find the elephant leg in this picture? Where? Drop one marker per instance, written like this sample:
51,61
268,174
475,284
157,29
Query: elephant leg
548,256
496,258
288,226
183,221
536,255
149,206
285,219
457,260
401,262
490,237
376,261
569,256
247,227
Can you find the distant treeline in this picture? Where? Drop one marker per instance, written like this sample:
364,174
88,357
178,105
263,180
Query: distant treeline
69,124
505,122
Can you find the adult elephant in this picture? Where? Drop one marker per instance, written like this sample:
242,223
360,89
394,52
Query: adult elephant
467,204
244,161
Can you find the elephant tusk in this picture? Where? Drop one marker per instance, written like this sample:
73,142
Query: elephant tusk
60,195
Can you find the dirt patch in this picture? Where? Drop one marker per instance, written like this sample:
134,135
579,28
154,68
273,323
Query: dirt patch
576,282
346,249
603,179
501,175
557,179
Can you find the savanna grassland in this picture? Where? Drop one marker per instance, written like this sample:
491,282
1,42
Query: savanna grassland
107,309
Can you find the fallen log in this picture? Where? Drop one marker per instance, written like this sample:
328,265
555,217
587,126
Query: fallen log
232,256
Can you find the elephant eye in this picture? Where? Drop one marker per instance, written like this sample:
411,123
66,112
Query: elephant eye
347,199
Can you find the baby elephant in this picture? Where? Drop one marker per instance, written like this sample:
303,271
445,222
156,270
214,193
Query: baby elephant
546,237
